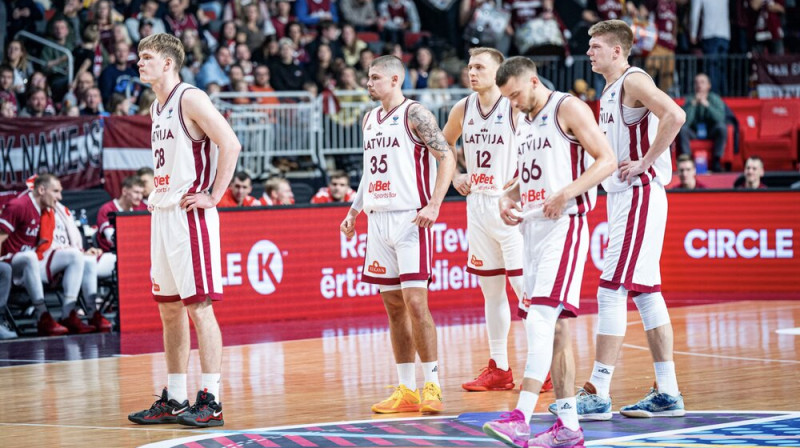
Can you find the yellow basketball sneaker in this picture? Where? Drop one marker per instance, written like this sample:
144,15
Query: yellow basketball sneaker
402,399
431,399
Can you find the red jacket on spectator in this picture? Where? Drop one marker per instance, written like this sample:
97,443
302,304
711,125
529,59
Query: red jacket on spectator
20,220
103,222
323,196
229,201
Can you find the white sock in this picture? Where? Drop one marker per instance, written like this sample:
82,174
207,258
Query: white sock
406,375
210,383
176,387
527,401
498,317
601,378
665,378
431,372
498,350
568,412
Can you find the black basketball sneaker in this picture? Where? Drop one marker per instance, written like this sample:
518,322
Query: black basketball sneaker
164,410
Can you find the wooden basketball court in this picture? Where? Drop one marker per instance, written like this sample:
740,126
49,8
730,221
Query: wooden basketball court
729,356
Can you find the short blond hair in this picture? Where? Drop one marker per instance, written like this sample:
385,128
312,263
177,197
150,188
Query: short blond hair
494,54
166,45
621,34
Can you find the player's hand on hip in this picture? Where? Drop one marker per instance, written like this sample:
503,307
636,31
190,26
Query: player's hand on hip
192,201
554,205
629,170
427,216
462,184
348,227
509,210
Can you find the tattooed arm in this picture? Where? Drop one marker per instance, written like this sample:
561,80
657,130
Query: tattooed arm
424,126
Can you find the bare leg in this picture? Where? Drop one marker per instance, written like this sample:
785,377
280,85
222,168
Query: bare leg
563,367
209,337
608,348
660,340
422,327
399,327
176,336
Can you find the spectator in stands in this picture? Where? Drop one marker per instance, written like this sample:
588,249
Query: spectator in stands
716,37
235,74
228,36
277,191
321,70
71,13
420,67
438,82
338,190
19,235
661,59
328,34
741,28
243,57
146,99
215,70
767,17
94,103
261,84
178,19
282,17
77,95
36,105
256,24
753,172
705,120
297,34
5,288
17,59
398,17
351,45
360,13
7,109
129,200
90,55
365,59
115,77
146,174
287,73
238,194
22,15
145,30
39,81
311,13
61,252
119,105
56,60
7,93
687,174
194,51
106,17
149,11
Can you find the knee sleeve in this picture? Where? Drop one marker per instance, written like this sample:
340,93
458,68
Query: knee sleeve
540,327
495,305
653,310
612,312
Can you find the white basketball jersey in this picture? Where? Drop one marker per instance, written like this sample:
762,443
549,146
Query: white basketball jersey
549,160
487,141
182,164
630,130
399,171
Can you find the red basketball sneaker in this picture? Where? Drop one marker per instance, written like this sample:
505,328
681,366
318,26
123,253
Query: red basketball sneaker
547,386
491,378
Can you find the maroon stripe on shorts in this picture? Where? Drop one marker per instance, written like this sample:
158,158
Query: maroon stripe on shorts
194,242
637,245
626,245
563,265
206,250
575,254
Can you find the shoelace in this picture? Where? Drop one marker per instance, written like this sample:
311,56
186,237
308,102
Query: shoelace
397,394
157,406
430,389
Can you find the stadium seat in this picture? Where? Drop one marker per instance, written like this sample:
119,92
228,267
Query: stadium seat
411,39
776,140
733,161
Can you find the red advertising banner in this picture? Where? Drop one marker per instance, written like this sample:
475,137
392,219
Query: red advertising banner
293,264
71,148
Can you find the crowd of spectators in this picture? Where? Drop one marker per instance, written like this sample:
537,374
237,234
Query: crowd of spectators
261,45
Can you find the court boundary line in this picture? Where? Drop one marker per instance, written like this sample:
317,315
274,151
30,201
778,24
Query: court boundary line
778,415
707,355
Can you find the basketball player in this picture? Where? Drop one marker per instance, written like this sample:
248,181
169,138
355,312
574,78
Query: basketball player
562,156
484,122
402,190
194,155
640,121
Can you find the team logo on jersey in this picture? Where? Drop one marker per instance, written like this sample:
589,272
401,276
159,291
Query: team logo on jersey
471,122
376,268
544,121
499,118
169,113
394,121
611,100
264,267
476,261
